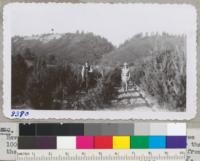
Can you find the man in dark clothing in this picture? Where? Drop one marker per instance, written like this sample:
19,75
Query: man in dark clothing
86,70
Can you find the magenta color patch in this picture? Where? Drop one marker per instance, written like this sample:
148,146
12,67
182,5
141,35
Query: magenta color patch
85,142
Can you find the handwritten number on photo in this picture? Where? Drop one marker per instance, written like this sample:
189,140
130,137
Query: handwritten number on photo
19,114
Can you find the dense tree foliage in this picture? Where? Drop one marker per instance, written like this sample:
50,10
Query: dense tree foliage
19,79
73,47
164,77
140,48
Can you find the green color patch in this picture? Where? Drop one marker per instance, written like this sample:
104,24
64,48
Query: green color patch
139,142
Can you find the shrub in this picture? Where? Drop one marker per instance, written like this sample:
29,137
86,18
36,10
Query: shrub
101,95
164,77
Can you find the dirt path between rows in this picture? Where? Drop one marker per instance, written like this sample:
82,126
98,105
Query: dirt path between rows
135,99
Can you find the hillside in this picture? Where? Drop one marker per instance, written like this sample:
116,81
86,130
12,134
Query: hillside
73,47
81,47
140,48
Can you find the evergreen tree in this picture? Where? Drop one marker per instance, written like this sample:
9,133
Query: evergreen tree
19,78
39,87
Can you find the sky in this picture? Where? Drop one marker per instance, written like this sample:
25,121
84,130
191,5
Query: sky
116,22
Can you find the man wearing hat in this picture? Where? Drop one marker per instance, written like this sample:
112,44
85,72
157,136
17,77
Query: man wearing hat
125,76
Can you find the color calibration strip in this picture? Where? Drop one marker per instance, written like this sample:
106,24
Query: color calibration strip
102,136
102,142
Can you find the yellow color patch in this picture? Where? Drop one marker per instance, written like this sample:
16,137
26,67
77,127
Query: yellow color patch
121,142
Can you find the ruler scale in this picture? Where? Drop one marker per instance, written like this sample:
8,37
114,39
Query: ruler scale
104,155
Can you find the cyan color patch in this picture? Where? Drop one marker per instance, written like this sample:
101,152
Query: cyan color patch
157,142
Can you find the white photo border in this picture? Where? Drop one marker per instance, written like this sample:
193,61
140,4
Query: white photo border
191,81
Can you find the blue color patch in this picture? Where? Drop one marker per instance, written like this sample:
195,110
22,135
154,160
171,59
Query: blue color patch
157,142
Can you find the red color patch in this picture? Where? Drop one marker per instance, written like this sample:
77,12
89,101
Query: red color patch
103,142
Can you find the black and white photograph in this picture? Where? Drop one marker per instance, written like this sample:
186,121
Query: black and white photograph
100,60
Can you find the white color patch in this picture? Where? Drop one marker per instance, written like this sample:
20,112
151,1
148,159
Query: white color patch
66,142
176,129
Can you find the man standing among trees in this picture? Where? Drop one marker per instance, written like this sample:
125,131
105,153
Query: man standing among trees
86,70
125,76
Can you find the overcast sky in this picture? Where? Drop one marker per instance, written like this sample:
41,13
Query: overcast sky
116,22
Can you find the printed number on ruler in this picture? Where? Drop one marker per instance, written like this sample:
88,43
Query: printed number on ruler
19,114
102,155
